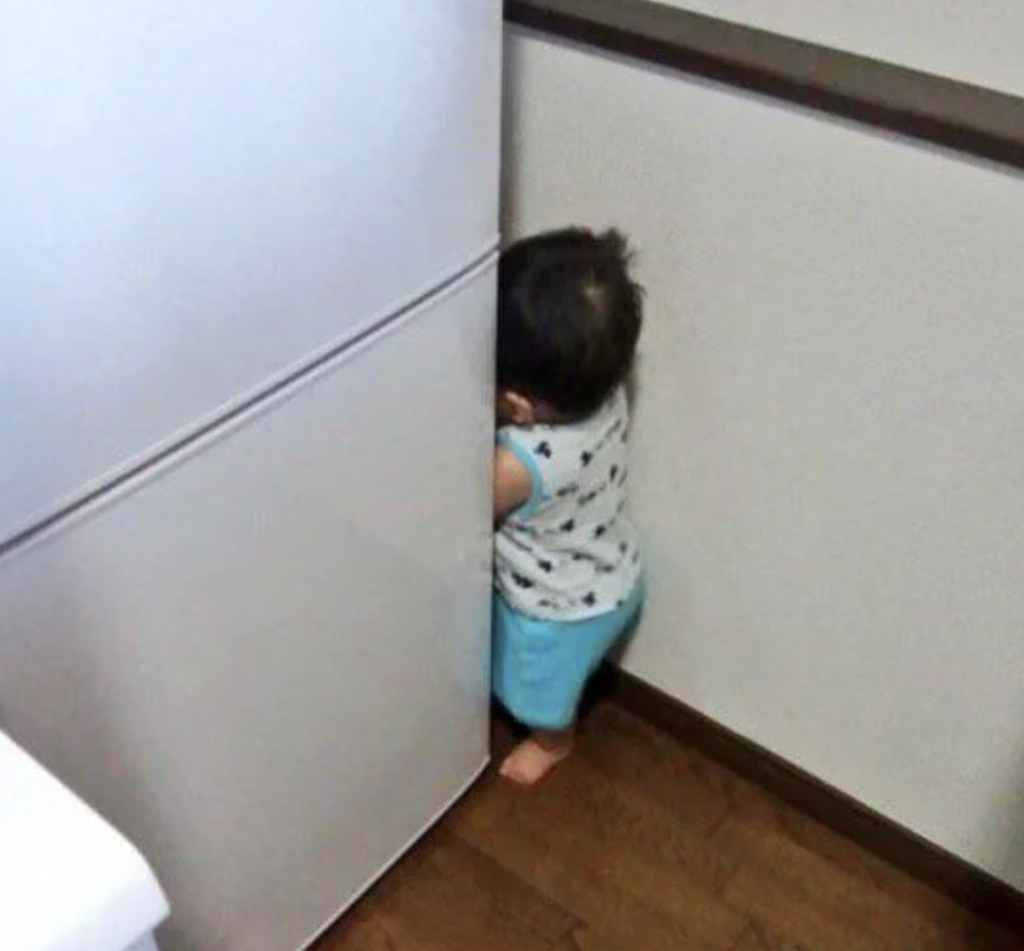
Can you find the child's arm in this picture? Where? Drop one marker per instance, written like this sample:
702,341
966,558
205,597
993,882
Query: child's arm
512,484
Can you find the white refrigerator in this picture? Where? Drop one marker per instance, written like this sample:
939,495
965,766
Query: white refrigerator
246,331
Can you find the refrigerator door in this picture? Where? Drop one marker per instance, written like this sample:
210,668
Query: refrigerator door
269,665
200,199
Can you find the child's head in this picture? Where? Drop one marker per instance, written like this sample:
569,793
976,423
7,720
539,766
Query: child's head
569,317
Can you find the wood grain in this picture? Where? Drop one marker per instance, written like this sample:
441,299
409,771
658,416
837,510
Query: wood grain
447,896
641,843
879,836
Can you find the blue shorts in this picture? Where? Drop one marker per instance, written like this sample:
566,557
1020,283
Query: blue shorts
539,668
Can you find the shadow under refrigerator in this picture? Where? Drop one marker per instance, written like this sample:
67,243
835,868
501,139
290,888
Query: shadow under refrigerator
246,332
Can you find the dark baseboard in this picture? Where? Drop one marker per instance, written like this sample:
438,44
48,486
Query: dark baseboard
957,115
970,886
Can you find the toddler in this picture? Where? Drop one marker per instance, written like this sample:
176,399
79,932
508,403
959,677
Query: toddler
568,578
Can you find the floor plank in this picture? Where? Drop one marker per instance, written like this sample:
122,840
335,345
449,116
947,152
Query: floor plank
447,896
638,843
594,841
798,880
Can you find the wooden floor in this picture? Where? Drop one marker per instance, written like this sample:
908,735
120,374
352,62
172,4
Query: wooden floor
638,843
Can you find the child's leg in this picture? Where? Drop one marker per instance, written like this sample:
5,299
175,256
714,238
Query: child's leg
537,755
527,677
539,671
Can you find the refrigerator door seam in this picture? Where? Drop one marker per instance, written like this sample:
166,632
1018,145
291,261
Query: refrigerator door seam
177,449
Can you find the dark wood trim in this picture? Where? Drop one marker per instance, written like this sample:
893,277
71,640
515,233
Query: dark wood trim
963,882
960,116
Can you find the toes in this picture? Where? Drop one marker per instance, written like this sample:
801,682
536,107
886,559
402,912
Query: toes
520,776
508,768
530,762
513,769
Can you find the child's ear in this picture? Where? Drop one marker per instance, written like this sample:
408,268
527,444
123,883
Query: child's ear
516,407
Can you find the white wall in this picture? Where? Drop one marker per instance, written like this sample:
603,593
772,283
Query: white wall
829,458
978,42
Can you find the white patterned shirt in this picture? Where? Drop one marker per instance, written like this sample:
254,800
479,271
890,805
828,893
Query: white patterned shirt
570,551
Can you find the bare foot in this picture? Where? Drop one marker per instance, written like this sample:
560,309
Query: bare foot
535,757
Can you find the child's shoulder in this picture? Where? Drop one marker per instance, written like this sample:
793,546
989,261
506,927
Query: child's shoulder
568,446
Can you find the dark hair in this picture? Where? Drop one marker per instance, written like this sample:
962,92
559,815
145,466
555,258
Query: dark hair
569,317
